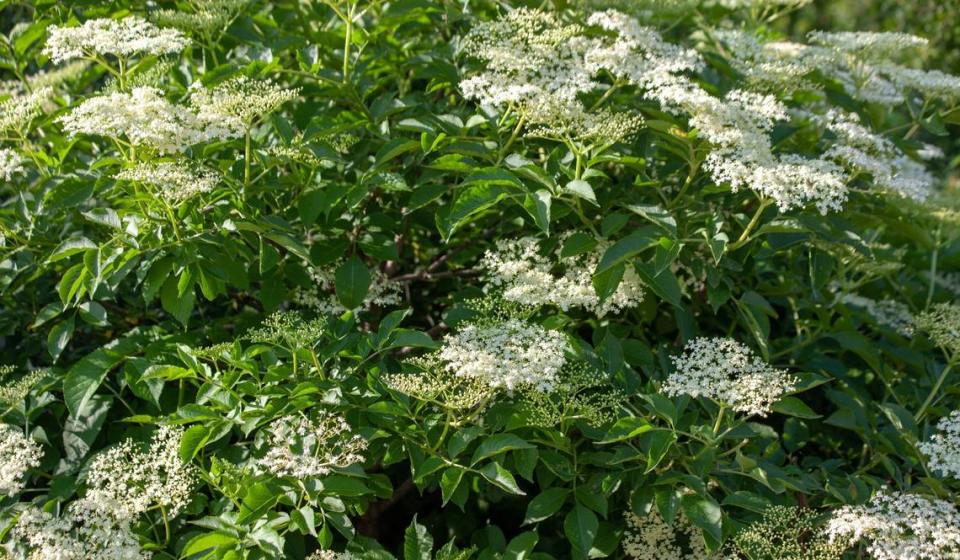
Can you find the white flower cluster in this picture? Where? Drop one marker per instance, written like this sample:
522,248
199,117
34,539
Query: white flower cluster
381,293
19,111
52,78
726,370
125,481
13,391
863,151
305,448
79,533
144,117
538,66
942,325
789,533
238,103
521,273
127,37
861,62
896,526
886,312
11,163
943,448
18,454
211,17
652,538
507,354
330,555
174,181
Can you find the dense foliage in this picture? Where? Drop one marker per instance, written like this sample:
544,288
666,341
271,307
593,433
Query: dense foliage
451,279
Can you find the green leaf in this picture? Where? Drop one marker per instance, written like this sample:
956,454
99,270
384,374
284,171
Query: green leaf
417,542
521,546
581,526
792,406
501,478
626,428
449,481
59,337
85,377
496,444
492,176
207,544
658,215
259,498
664,283
394,148
352,282
582,189
176,301
625,248
71,247
193,440
470,201
704,513
545,504
538,206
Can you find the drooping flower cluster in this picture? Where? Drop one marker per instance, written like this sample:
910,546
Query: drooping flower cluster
144,117
943,448
174,181
13,391
787,532
209,18
862,151
240,102
506,354
728,371
11,163
895,525
942,324
519,271
432,382
17,112
127,37
886,312
78,533
126,480
581,393
287,329
381,292
18,454
652,538
304,448
538,65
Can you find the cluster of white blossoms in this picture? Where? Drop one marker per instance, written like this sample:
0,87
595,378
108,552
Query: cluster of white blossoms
124,38
209,17
125,481
895,526
943,448
78,533
11,163
330,555
507,354
52,78
789,533
519,272
381,293
18,454
863,151
240,102
303,448
727,371
174,181
13,391
537,66
942,325
886,312
144,117
17,112
652,538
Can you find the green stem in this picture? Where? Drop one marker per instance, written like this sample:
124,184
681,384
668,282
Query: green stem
745,236
347,41
511,140
246,160
933,392
166,525
933,269
716,425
